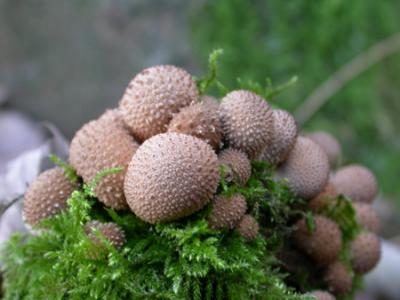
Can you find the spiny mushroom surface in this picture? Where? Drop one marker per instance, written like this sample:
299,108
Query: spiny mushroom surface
367,216
47,195
247,122
210,101
111,232
338,278
356,182
328,143
154,96
323,295
323,199
284,136
237,165
102,144
323,244
366,252
306,168
227,211
200,120
171,176
248,227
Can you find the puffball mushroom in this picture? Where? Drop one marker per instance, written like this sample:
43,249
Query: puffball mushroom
237,165
102,144
365,252
248,227
47,195
171,176
200,120
227,211
284,136
247,122
356,182
111,232
323,295
367,216
306,168
328,143
323,244
154,96
323,199
338,278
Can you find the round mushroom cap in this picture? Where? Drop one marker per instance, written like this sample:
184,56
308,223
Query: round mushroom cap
227,211
200,120
323,244
328,143
111,232
154,96
356,182
102,144
323,295
338,278
237,165
247,122
210,101
248,227
324,199
171,176
47,195
306,168
366,252
284,136
367,216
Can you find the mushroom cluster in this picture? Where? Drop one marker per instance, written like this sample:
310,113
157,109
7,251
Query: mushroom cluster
172,144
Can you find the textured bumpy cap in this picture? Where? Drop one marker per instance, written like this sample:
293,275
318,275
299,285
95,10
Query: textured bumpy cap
356,182
323,295
323,199
171,175
323,244
154,96
111,232
237,165
210,101
227,212
200,120
328,143
284,136
101,144
248,227
47,195
366,252
247,122
338,278
306,168
367,216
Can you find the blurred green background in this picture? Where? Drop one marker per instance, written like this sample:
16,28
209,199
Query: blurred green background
66,61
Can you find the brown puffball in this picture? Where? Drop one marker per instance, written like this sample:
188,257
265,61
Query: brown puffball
323,295
328,143
102,144
284,136
365,252
367,216
237,165
227,211
154,96
306,168
338,278
248,227
47,195
356,182
200,120
171,176
323,244
111,232
324,199
247,122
